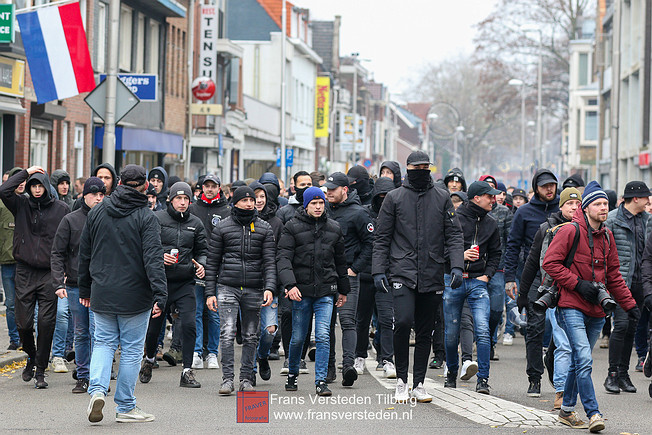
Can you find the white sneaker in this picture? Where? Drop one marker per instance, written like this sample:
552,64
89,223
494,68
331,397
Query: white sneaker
420,394
508,340
211,361
281,352
358,365
469,368
401,394
389,370
59,365
94,411
136,415
197,361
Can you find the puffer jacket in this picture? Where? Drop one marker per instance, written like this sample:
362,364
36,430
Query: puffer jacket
185,232
311,256
241,254
503,217
55,180
286,213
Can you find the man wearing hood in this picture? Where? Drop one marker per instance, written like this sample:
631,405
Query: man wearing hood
121,235
211,207
269,178
302,181
158,177
37,218
575,181
454,180
391,170
370,298
345,208
361,183
105,172
60,180
525,224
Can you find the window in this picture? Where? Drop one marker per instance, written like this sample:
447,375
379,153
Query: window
140,45
126,24
583,78
153,47
591,126
64,146
38,148
79,150
101,38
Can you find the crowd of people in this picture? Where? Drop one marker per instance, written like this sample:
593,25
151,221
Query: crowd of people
435,264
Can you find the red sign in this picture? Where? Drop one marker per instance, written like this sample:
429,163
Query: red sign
252,407
644,160
203,88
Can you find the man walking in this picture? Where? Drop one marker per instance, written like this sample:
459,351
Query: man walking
122,280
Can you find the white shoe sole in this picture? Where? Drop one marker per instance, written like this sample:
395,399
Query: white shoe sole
211,366
128,419
423,400
95,409
471,370
390,375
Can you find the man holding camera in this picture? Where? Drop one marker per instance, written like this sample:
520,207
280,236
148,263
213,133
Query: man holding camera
584,299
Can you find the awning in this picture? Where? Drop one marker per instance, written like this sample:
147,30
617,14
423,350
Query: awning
140,139
11,105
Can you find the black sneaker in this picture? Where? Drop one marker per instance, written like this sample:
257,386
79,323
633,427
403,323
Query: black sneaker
349,376
647,365
625,384
39,379
549,363
331,375
649,390
188,380
493,356
435,364
253,380
264,369
482,386
145,374
74,375
28,371
611,383
170,359
273,356
451,380
291,383
13,346
70,355
322,389
312,353
81,387
534,390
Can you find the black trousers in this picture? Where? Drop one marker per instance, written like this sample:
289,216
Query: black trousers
183,296
285,307
535,329
621,340
369,299
418,309
34,285
438,348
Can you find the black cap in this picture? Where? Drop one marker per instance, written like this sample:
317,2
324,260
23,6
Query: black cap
358,173
418,158
479,188
519,192
133,175
212,177
546,178
636,189
574,180
336,179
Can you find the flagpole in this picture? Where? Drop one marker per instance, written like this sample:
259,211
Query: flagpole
108,146
59,3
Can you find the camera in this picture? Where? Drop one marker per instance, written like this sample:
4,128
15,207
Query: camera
604,298
548,297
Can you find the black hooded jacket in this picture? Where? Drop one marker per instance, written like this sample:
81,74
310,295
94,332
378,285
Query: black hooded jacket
383,185
36,220
455,172
396,170
121,257
64,261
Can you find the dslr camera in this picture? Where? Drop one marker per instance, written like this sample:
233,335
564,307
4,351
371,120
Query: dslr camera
604,298
548,296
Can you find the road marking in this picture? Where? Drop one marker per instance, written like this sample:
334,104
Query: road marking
479,408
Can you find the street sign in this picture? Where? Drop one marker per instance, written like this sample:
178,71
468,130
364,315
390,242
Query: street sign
347,131
7,23
145,86
367,163
289,157
206,109
125,100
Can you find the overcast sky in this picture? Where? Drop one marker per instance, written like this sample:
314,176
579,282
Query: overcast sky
399,37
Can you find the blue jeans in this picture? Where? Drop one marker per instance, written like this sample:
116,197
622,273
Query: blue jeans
562,352
213,324
9,286
582,332
129,332
268,317
301,316
61,328
477,296
84,323
496,289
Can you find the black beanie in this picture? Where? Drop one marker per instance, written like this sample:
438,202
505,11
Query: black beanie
94,185
242,192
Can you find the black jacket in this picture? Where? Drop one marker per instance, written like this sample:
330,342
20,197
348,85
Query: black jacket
415,231
241,254
382,186
64,261
287,212
268,214
120,256
36,220
311,256
479,229
210,214
165,190
532,268
357,229
186,233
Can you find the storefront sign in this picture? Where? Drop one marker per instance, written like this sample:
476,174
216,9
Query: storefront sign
12,77
144,86
7,23
322,106
208,42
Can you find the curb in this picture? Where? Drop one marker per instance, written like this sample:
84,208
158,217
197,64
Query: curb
11,356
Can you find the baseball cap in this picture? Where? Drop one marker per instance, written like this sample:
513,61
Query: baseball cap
519,192
133,175
479,188
212,177
546,178
418,158
336,179
636,189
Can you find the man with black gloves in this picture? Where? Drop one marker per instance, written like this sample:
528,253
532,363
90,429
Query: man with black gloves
37,218
358,230
580,312
391,170
122,280
454,180
158,177
416,228
360,181
302,181
184,233
631,226
240,277
64,262
527,220
481,259
312,270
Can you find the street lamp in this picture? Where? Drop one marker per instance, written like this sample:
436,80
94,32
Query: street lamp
521,83
458,130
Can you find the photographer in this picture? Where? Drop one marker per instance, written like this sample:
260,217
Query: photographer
579,312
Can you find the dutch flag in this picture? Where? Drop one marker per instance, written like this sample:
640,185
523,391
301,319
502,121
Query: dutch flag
57,52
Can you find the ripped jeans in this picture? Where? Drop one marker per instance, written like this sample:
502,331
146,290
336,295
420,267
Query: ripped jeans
230,300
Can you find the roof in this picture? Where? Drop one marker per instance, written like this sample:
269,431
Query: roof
322,42
411,117
274,9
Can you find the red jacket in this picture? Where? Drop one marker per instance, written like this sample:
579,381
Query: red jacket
566,279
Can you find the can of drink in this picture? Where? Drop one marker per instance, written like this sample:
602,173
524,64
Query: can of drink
476,247
175,253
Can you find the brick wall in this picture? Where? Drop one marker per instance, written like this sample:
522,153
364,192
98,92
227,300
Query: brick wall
176,71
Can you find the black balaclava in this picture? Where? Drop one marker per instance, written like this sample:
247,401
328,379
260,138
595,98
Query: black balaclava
419,178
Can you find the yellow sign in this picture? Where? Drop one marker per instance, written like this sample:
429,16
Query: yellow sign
322,112
206,109
12,77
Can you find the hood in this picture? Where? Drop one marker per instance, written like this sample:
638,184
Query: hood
270,178
45,181
113,172
538,174
162,170
57,175
613,198
574,180
396,170
383,185
124,201
455,172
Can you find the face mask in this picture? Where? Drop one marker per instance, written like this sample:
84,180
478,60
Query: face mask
299,194
243,215
419,178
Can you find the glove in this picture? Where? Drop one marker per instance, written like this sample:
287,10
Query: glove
634,314
456,277
381,283
521,301
647,302
587,290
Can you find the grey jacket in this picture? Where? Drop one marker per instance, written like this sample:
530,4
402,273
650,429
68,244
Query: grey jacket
625,243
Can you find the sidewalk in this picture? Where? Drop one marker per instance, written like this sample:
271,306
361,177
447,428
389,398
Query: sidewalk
7,356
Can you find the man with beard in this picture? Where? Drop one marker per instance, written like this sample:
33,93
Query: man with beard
302,181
